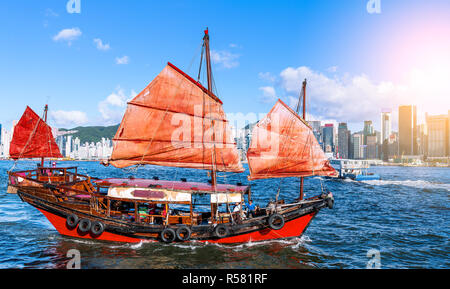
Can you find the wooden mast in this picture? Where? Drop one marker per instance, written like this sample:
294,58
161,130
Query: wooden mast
209,77
303,92
45,120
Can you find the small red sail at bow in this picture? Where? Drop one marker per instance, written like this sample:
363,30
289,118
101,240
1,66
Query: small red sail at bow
175,122
33,138
283,145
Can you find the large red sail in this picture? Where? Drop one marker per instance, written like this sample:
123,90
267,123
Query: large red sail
33,138
170,123
283,145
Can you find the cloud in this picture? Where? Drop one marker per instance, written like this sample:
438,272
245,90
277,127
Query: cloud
267,76
225,58
100,46
350,99
50,13
68,118
269,94
122,60
68,35
355,98
332,69
113,106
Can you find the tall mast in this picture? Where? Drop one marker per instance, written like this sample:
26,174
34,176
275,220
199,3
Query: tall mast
45,120
303,92
209,77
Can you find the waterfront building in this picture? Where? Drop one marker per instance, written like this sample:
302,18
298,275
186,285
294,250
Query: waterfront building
407,129
438,135
371,147
343,141
358,145
328,138
386,125
422,140
315,125
368,129
68,149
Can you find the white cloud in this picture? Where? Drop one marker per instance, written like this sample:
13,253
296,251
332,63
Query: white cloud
269,94
68,35
100,46
50,13
122,60
113,106
332,69
267,76
68,118
350,99
225,58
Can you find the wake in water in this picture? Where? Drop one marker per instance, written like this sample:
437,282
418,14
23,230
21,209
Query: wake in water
420,184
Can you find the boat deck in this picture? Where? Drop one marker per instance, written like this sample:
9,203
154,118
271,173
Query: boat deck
172,185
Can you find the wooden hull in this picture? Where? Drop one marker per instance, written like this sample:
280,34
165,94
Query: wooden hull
296,223
294,228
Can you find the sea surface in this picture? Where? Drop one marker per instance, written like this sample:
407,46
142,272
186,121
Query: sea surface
401,221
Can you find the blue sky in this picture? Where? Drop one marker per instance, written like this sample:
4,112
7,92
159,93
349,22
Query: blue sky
356,63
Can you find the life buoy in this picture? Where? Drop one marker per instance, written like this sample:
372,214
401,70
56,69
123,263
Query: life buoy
168,235
221,231
97,228
183,233
276,221
72,221
330,203
84,226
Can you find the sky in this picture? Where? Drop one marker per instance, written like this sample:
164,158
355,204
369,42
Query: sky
359,58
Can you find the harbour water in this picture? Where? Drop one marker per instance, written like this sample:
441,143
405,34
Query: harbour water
405,216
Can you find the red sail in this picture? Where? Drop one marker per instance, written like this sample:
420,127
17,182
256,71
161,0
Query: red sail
170,123
33,138
283,145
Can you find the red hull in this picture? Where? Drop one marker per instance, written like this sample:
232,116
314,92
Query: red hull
293,228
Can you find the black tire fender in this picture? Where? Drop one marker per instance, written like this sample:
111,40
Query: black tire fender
183,233
221,231
97,228
330,203
272,221
168,235
84,225
72,221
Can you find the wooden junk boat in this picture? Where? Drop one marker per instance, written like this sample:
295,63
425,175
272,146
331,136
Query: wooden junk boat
133,209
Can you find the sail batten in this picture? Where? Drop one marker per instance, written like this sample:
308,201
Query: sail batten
176,122
283,145
33,138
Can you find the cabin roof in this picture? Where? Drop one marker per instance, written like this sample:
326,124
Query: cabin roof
171,185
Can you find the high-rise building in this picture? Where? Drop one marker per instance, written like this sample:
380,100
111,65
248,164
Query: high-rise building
407,130
328,138
358,145
438,135
372,147
368,129
68,146
386,125
343,141
315,124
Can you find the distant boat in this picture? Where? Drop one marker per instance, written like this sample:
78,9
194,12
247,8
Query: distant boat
357,170
134,209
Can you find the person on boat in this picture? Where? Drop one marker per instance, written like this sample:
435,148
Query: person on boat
251,208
